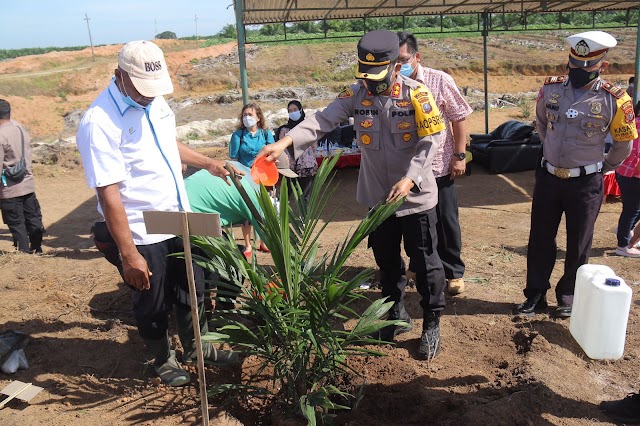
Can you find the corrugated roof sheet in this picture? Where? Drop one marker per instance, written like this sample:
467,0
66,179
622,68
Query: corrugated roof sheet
274,11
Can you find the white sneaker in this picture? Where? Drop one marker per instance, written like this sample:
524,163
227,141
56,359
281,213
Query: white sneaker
636,245
628,252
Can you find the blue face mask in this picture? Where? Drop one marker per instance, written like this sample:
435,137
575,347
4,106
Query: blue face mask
128,100
406,70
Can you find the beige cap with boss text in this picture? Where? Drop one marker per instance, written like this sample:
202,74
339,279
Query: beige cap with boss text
147,68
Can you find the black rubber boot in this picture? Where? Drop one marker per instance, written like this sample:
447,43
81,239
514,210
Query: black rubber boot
166,365
389,332
210,354
430,339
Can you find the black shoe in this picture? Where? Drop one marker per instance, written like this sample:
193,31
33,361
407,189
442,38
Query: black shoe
562,311
564,307
531,306
389,332
626,410
430,339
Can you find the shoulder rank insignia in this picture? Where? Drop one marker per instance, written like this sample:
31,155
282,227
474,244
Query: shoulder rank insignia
395,90
614,90
555,79
346,93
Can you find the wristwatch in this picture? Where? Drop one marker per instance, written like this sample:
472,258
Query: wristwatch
460,155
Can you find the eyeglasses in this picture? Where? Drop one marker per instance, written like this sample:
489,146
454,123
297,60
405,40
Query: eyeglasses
406,60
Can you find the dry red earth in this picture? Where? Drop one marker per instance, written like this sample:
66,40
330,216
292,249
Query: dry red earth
493,369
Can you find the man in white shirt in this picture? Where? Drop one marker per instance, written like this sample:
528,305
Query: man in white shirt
127,140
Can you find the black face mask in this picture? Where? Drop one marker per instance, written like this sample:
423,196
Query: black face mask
580,78
377,87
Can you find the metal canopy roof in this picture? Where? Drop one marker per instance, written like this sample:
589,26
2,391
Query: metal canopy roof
277,11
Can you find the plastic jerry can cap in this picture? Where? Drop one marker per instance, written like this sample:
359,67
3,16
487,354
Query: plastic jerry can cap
613,282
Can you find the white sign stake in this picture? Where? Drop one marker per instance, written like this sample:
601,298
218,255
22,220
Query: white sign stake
20,390
185,224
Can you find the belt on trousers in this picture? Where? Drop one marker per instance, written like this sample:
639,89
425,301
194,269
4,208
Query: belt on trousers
575,172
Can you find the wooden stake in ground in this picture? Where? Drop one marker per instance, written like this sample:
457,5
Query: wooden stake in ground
185,224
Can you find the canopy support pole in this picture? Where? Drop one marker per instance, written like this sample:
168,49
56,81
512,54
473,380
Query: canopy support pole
241,52
636,84
485,33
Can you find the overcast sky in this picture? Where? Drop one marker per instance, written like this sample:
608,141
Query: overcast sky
44,23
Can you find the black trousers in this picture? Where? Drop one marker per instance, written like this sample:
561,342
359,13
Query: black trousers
448,226
420,243
305,182
168,287
23,217
579,199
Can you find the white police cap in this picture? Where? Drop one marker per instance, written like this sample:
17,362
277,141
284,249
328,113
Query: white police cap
589,47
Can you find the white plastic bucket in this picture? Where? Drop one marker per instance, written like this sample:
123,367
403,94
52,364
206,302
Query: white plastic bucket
600,312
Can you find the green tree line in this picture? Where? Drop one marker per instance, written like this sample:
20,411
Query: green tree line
347,27
15,53
468,22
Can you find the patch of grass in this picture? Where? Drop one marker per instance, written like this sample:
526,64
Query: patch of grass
193,135
526,107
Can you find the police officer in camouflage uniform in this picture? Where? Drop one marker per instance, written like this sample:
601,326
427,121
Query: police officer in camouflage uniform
574,113
398,129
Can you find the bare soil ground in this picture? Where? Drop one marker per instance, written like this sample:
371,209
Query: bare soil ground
493,369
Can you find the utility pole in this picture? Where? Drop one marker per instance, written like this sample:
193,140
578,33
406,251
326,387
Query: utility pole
86,18
196,27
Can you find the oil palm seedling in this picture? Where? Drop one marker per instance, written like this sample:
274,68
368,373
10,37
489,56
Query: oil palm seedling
297,303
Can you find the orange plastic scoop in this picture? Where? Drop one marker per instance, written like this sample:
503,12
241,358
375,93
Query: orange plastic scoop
264,172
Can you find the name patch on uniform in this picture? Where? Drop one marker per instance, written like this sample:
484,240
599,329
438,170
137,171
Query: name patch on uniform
553,107
366,124
366,102
428,117
366,112
409,113
365,139
346,93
